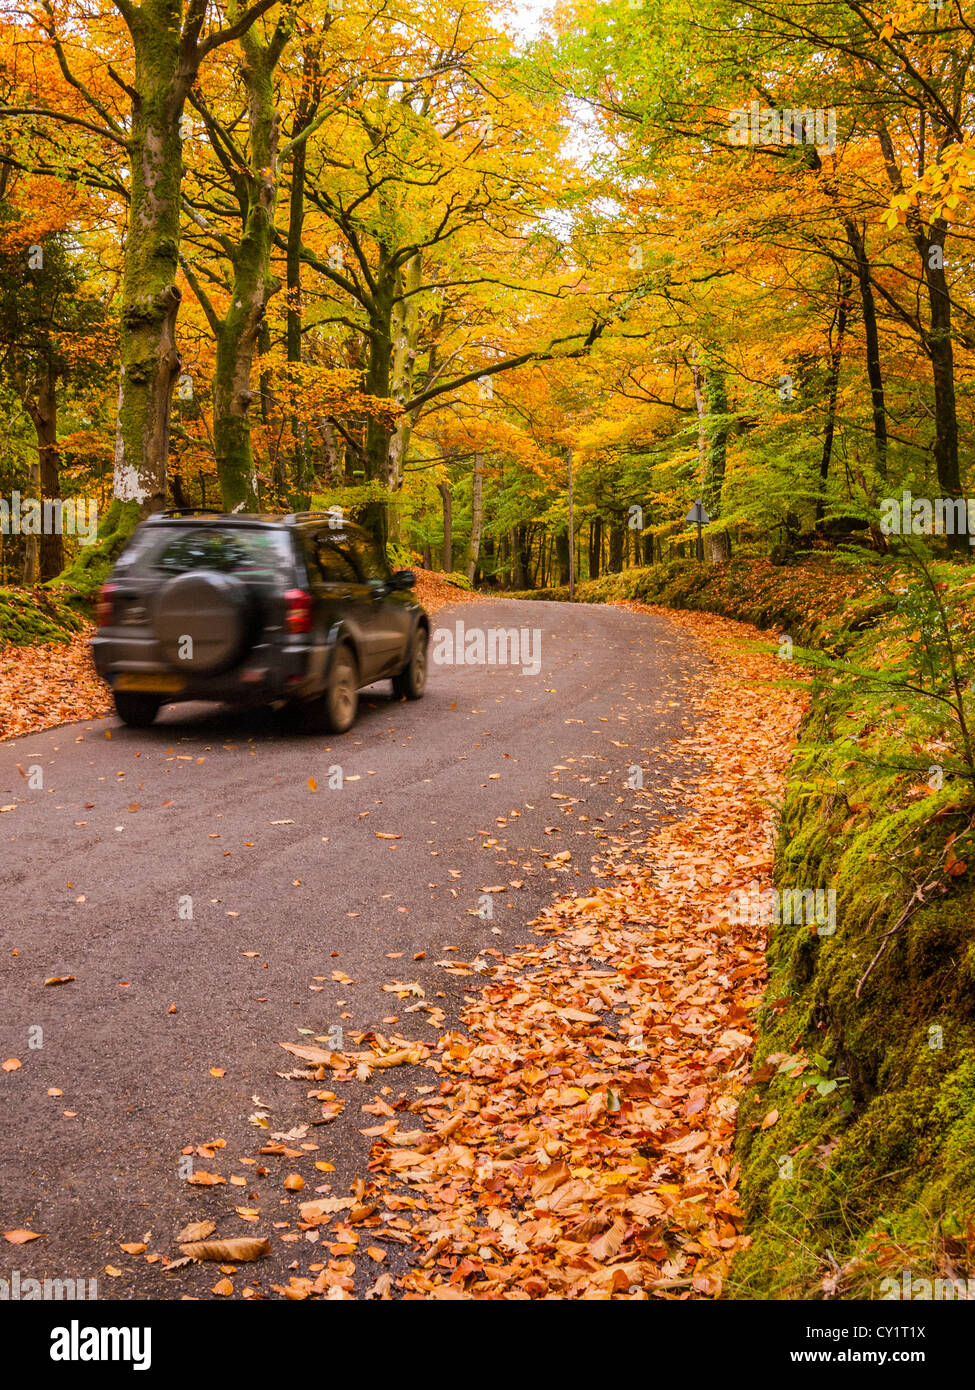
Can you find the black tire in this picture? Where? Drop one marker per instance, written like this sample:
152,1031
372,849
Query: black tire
334,712
412,680
136,710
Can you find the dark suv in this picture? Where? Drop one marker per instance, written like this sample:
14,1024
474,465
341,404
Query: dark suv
255,609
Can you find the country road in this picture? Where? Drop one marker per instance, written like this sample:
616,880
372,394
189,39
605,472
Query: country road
491,773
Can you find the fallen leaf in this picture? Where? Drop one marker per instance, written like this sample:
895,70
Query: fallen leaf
316,1055
240,1248
197,1230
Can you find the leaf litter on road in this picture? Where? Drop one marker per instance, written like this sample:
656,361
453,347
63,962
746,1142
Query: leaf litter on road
579,1144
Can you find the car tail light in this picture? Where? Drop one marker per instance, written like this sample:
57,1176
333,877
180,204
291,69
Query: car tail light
105,604
298,610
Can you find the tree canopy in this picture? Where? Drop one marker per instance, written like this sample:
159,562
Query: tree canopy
353,254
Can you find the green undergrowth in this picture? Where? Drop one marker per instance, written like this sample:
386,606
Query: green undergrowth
857,1131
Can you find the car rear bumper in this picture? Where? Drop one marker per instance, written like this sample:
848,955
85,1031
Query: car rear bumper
267,673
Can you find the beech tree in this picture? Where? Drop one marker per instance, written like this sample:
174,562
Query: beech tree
168,42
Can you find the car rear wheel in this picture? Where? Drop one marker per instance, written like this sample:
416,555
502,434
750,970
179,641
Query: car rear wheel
138,711
411,681
341,699
334,711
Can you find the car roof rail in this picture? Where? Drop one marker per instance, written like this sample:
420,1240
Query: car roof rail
190,511
310,515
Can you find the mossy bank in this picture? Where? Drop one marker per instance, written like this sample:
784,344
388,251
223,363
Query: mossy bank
856,1134
814,602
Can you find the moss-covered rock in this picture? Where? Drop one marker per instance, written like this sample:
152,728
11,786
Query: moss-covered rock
459,581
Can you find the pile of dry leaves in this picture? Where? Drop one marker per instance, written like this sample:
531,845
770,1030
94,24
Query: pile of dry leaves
47,684
435,591
577,1140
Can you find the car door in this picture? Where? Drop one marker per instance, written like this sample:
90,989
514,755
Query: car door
391,608
346,594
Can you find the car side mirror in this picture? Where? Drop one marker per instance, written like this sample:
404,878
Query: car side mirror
402,579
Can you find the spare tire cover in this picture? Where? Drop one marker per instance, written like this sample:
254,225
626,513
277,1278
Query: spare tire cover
213,610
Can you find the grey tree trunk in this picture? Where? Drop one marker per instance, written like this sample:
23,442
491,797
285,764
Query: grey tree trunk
872,337
477,515
253,283
165,69
448,527
832,388
44,414
616,535
595,546
562,555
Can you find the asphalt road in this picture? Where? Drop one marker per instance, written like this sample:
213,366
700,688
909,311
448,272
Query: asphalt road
493,771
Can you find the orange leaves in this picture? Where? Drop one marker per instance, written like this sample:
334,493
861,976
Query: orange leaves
49,684
551,1178
205,1179
585,1148
240,1248
954,867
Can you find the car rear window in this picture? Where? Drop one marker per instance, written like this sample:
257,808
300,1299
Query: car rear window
262,556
